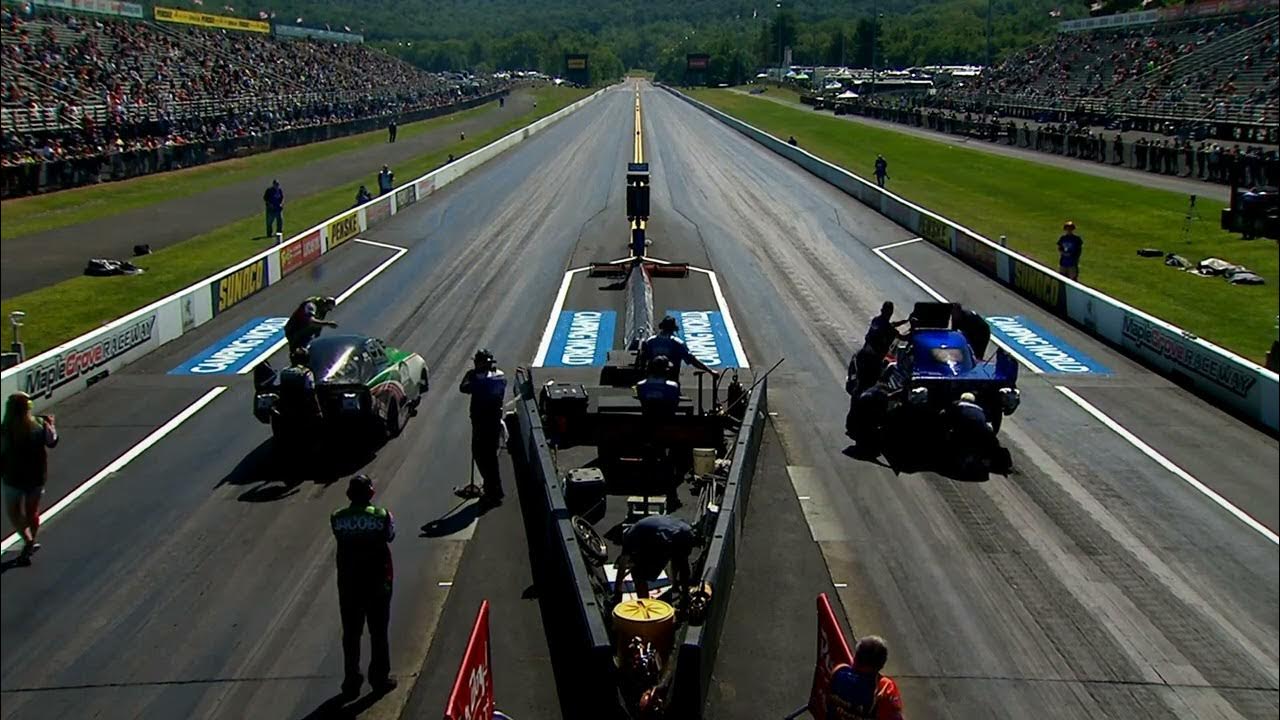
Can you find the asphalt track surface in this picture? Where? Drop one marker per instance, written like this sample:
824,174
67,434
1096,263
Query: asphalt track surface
1090,583
41,259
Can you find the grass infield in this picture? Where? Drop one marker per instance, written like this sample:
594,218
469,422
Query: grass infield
70,308
1028,201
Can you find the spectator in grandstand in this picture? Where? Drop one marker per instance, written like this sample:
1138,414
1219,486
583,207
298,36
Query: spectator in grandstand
882,170
273,199
386,180
1070,246
391,131
1117,149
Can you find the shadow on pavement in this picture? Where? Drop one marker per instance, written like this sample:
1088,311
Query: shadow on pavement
458,518
272,477
336,708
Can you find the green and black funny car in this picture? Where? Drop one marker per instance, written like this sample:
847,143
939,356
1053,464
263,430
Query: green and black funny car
359,381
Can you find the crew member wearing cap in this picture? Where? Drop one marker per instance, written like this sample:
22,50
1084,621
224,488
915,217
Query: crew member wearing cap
364,533
486,385
666,344
647,547
1070,245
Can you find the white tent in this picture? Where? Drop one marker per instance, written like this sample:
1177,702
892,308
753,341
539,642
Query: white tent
847,95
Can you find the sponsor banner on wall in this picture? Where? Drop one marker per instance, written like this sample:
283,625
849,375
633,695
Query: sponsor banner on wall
343,229
976,252
316,34
377,212
222,22
230,290
101,7
297,254
1038,285
82,361
406,196
935,231
426,186
1187,355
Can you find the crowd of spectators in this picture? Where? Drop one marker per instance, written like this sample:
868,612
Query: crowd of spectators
1205,65
81,87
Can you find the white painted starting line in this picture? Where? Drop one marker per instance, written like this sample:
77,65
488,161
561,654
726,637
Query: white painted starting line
195,407
117,464
1091,409
556,308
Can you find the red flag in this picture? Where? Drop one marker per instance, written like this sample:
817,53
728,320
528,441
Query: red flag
472,696
833,650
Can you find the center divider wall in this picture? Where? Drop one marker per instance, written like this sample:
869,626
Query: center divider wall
73,366
1228,380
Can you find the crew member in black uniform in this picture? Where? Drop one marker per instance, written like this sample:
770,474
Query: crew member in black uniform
866,365
486,385
976,331
364,533
306,321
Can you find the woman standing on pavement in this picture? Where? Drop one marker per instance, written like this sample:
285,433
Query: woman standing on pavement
24,467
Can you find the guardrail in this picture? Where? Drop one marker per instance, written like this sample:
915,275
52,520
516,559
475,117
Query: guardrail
1223,377
75,365
701,643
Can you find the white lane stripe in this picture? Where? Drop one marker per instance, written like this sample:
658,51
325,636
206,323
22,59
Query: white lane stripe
556,308
1167,464
119,463
728,318
938,296
400,251
890,246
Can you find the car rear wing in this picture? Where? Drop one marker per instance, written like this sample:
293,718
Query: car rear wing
1006,366
931,315
264,376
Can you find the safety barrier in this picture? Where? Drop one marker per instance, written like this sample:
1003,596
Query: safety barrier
71,367
698,651
1221,376
577,638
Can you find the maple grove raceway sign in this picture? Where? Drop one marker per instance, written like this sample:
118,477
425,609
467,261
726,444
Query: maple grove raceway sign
65,367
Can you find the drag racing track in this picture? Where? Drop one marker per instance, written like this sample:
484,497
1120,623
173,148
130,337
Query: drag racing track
1094,582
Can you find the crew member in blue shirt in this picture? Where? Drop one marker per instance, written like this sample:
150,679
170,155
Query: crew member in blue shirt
486,385
1070,246
666,344
273,199
659,395
882,170
386,180
647,547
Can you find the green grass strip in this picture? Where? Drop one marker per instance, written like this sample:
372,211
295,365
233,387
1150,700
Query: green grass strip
1028,201
70,308
37,213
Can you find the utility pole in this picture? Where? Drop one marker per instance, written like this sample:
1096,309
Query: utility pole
875,41
781,52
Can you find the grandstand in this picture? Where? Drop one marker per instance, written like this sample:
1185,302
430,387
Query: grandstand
1221,69
81,90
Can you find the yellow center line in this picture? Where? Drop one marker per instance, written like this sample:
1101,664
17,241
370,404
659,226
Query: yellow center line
637,154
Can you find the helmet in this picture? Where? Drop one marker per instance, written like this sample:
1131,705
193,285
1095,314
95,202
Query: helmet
360,487
300,355
668,323
484,357
660,365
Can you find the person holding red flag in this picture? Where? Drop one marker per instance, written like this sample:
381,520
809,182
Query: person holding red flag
860,690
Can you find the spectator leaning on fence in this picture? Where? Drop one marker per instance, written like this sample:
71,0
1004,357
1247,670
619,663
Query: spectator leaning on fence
273,199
